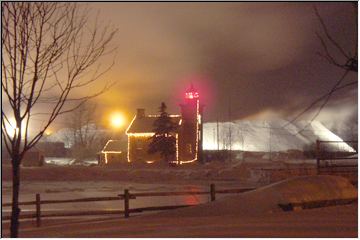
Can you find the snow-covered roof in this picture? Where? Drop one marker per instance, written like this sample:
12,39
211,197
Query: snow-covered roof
112,146
146,124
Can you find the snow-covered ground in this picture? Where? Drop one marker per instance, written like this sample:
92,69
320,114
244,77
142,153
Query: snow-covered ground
251,214
68,182
252,172
56,190
62,161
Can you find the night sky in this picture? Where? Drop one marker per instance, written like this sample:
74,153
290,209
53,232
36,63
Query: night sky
259,58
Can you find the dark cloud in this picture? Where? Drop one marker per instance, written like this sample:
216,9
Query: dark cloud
261,55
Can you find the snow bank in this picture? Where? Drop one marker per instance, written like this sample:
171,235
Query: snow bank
244,215
269,135
266,199
63,161
59,161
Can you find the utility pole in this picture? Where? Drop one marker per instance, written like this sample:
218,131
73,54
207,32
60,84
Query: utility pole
229,125
214,135
269,142
217,134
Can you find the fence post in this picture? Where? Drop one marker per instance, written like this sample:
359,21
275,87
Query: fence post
126,203
212,192
38,210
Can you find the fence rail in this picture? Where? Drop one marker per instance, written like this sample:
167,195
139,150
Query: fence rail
337,157
66,201
158,194
126,196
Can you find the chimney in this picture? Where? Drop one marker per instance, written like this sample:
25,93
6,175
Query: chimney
140,113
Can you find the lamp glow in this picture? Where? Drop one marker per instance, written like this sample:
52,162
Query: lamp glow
12,129
117,120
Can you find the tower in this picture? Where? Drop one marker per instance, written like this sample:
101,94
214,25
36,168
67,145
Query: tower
190,132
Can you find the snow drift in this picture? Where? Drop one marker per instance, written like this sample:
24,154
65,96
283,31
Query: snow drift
266,199
266,136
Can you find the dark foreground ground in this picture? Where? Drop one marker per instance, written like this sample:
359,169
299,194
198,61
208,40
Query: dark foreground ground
338,221
255,213
208,220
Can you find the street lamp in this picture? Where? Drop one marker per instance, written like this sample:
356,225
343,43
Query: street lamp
117,120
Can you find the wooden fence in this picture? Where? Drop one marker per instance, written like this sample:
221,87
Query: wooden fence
316,204
126,196
331,155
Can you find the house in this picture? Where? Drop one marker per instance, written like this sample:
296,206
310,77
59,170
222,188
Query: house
33,158
188,135
52,149
112,153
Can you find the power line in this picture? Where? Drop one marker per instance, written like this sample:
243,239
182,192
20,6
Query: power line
326,96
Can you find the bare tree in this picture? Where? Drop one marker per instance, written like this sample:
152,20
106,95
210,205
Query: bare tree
333,52
85,133
339,56
49,51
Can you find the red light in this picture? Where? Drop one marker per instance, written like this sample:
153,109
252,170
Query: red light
191,95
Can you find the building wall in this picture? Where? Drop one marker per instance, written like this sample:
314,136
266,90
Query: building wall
33,159
112,158
187,142
52,149
138,146
187,131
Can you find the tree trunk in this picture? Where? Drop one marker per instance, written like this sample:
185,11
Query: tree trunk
15,211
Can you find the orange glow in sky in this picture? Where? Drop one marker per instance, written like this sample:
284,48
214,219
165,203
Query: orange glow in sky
117,120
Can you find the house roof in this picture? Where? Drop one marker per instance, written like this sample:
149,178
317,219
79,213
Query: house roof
146,124
35,149
112,146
